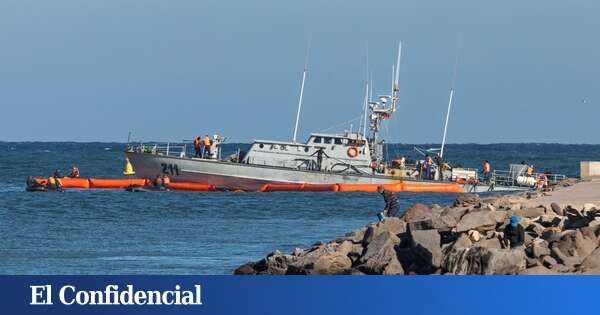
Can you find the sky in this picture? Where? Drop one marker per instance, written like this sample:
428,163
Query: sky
170,70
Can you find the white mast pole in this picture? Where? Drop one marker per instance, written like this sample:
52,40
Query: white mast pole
301,95
449,104
396,87
366,105
446,123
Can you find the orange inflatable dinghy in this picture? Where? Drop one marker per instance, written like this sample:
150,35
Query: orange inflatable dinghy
81,183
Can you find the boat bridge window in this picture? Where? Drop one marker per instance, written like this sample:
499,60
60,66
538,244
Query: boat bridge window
339,141
328,140
317,140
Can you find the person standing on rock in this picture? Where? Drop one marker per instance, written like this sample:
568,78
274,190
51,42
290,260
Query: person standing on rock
391,203
514,235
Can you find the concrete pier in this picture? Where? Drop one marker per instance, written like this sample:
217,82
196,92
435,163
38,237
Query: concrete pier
577,195
589,169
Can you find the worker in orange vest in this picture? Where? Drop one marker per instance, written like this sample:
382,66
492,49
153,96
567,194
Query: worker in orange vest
197,147
530,170
206,144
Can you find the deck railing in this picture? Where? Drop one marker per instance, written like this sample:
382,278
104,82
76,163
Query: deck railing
511,178
164,148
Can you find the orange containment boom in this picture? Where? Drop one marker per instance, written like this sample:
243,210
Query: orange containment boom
298,187
191,186
358,187
116,183
433,187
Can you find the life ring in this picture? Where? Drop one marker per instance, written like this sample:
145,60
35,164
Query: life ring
352,152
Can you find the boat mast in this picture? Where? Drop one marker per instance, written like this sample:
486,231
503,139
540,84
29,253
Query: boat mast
301,94
396,87
382,110
449,107
366,106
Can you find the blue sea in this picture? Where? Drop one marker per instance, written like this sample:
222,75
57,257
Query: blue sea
117,232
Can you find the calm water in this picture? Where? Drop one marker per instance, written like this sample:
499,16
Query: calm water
116,232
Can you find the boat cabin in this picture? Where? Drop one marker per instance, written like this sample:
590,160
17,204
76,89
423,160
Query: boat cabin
331,152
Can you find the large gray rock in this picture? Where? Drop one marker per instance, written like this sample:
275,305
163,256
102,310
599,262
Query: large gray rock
549,262
537,270
444,222
380,256
573,243
331,258
467,199
456,212
421,224
570,262
427,246
418,210
477,220
356,236
490,243
535,228
530,212
332,263
393,225
482,261
539,248
591,264
556,208
549,220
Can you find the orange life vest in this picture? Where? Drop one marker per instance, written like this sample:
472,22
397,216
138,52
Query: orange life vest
206,141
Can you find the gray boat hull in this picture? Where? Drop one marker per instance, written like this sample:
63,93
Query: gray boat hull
251,177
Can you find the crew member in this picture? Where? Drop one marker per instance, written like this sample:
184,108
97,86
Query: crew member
54,183
57,174
197,147
427,166
206,146
391,203
486,168
158,181
530,170
320,153
33,183
166,181
74,171
373,166
514,235
541,181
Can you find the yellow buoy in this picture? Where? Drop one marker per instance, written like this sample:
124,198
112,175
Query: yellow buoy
128,168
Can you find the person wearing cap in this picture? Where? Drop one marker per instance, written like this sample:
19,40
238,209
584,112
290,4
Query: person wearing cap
391,203
514,235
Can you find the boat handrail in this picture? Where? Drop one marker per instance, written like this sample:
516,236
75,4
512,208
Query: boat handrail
508,178
160,148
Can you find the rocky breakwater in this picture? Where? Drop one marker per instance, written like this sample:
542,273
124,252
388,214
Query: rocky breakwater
465,238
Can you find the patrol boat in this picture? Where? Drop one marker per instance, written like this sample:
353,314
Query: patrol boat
352,157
